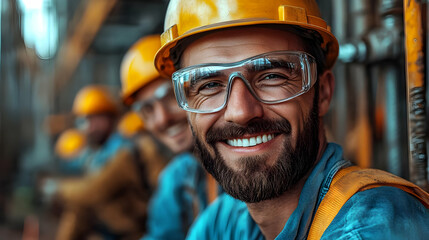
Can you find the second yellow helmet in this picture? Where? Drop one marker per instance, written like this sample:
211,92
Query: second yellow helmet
137,68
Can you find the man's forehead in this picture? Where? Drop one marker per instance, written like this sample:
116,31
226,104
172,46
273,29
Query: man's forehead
235,44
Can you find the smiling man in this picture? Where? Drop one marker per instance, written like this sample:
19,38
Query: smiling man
151,96
183,186
256,80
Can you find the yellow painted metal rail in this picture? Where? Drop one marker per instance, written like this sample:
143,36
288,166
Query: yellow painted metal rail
416,89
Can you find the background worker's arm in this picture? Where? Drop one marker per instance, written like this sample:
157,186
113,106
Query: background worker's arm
100,186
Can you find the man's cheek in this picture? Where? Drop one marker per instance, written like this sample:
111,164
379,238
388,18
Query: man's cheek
208,147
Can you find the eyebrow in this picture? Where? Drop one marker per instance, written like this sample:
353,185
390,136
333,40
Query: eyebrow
257,65
199,75
263,64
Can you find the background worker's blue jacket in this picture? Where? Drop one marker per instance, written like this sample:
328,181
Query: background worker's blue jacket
378,213
92,160
180,197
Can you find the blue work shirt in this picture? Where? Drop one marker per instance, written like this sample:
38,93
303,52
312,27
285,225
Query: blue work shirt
103,155
378,213
181,195
92,160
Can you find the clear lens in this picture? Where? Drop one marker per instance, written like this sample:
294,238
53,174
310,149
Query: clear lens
271,78
163,95
81,123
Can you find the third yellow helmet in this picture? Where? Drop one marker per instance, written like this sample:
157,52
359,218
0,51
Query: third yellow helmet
95,99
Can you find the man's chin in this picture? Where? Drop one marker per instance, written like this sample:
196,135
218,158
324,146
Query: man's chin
255,178
247,166
179,146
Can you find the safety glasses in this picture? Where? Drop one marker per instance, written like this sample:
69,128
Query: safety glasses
163,94
271,78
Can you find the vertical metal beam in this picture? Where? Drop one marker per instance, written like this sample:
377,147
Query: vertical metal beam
416,92
1,14
1,82
339,27
361,22
426,20
73,49
392,74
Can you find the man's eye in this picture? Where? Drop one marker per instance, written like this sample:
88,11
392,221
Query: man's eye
273,76
210,88
210,85
147,109
273,79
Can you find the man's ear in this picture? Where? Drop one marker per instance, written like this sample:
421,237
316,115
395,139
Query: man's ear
326,91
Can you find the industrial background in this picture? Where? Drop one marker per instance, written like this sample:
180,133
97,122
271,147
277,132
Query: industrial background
52,48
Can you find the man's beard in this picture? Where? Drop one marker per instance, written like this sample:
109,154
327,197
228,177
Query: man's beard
256,180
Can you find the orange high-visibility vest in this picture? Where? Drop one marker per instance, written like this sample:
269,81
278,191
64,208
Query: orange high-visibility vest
351,180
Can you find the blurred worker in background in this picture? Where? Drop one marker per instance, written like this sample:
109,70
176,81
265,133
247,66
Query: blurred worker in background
97,110
184,188
132,127
112,201
69,146
256,80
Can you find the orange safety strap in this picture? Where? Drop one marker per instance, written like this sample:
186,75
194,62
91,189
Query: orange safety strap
211,187
351,180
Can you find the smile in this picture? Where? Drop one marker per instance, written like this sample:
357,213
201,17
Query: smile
175,129
250,142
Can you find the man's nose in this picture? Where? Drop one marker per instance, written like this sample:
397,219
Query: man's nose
162,115
242,106
91,124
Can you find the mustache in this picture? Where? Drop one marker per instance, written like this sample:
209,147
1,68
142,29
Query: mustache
233,130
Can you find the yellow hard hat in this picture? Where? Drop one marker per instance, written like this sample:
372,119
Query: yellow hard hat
130,124
185,18
70,143
137,68
95,99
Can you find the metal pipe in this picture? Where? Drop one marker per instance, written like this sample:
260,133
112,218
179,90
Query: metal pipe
339,12
382,47
416,92
360,22
395,109
394,84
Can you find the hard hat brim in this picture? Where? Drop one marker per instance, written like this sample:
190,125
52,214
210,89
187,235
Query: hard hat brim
165,66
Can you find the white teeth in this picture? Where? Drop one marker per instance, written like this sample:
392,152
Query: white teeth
250,142
174,130
264,138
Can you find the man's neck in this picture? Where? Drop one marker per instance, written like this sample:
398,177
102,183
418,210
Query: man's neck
272,215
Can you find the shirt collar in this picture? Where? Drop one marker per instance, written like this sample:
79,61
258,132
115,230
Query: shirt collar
318,182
